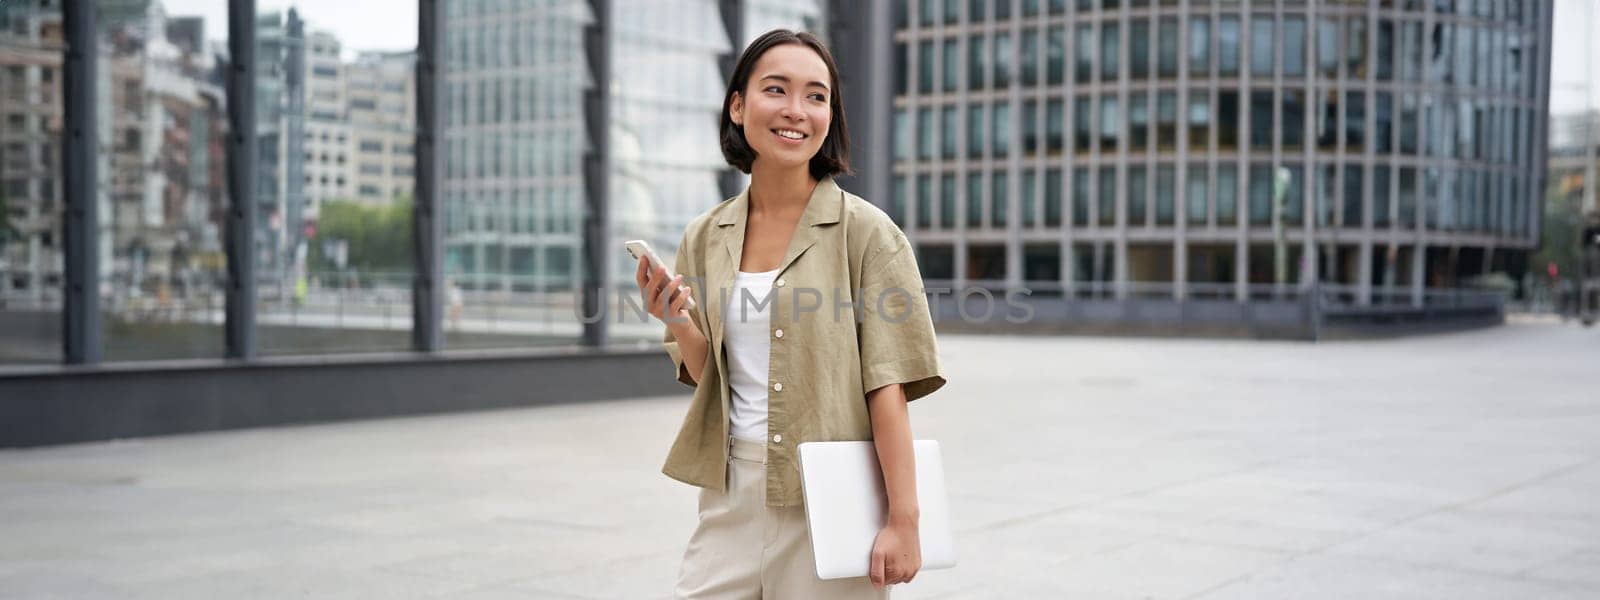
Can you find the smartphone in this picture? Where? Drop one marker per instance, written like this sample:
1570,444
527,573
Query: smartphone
639,249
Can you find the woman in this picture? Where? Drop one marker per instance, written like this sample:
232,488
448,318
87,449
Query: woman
809,324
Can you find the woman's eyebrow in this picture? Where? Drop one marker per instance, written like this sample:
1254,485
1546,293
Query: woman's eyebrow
785,79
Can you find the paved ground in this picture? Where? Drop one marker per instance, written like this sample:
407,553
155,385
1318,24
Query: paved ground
1448,466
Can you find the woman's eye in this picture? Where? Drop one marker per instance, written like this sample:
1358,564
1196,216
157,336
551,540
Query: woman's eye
774,89
819,97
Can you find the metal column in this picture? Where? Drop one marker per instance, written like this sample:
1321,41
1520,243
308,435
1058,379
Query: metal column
80,318
597,250
732,12
240,327
427,290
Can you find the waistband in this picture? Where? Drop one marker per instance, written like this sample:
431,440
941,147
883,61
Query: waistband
751,450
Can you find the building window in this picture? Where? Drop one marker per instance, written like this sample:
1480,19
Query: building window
1260,194
925,134
1002,130
1110,123
948,123
1167,48
1002,60
1084,60
1294,119
1138,121
1080,197
947,201
1294,46
1030,57
1055,126
974,200
1139,49
1261,45
950,70
1107,206
1110,40
1166,184
975,129
1138,196
1228,45
1195,196
998,204
1052,198
925,67
1227,193
1199,46
975,61
1199,119
924,202
1167,120
1056,50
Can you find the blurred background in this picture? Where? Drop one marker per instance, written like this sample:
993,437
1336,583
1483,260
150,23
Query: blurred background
1232,220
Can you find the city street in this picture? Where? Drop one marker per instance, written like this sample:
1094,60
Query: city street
1459,466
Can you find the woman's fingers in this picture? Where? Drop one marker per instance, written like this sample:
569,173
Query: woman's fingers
876,572
680,299
641,274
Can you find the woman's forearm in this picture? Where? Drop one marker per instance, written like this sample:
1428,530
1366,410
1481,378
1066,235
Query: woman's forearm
691,345
891,435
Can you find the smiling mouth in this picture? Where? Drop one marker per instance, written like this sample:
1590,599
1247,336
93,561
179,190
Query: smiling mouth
790,134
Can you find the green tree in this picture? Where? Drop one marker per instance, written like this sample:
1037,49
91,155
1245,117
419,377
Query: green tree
378,238
1558,243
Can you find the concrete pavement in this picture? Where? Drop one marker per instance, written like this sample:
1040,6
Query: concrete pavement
1462,465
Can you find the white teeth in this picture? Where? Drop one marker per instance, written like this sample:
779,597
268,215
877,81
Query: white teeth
793,135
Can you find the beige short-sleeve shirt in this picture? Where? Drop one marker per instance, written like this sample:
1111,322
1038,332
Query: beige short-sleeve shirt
849,315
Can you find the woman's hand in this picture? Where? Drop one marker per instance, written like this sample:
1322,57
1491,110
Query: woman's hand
896,553
665,298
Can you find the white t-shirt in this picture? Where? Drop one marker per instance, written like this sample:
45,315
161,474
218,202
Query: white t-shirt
745,334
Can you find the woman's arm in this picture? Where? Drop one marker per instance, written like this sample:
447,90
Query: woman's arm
897,553
691,343
667,300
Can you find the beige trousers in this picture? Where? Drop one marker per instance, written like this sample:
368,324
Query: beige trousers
743,549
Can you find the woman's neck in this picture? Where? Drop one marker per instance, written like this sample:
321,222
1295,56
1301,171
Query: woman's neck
780,192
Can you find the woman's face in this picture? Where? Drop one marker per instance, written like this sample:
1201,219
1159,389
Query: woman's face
784,108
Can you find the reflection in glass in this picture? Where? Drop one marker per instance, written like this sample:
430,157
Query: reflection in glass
1261,45
1167,48
1196,195
947,201
1030,57
1030,127
1084,57
1352,196
1260,194
1356,47
1383,115
1167,120
1199,119
1410,57
1055,126
1227,193
1108,196
1110,124
1293,194
1166,182
1380,196
975,61
1199,46
950,70
1109,41
1355,120
1080,123
1052,197
1228,45
975,200
949,120
1261,119
975,127
1029,200
925,134
924,202
1002,129
1294,119
1080,197
1138,121
1138,196
1002,60
902,135
998,203
925,67
1294,46
1328,47
1055,70
1139,49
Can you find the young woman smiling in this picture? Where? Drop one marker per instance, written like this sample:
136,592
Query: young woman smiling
818,331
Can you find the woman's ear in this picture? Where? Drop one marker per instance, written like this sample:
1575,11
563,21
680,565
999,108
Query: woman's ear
736,109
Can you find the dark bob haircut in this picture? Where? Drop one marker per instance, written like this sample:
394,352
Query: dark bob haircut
834,155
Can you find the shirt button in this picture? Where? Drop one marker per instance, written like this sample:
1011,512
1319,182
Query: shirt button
779,282
778,333
777,438
777,387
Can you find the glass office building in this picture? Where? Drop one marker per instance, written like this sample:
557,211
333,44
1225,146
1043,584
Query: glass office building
1229,150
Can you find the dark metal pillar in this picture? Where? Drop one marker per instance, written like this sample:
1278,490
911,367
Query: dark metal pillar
240,327
732,11
597,250
427,290
80,317
861,34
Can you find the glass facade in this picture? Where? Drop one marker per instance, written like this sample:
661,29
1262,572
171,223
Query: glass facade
1390,126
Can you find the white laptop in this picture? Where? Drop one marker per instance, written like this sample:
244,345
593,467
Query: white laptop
846,506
